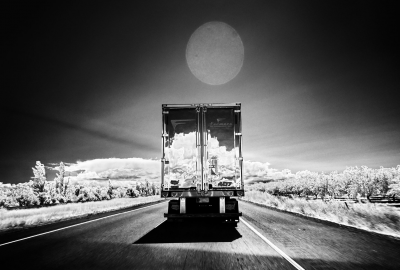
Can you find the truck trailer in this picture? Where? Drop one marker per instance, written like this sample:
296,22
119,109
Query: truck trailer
202,163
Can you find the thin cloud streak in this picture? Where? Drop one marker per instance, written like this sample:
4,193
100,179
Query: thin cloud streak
92,132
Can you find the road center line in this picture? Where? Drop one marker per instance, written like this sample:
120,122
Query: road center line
77,225
292,262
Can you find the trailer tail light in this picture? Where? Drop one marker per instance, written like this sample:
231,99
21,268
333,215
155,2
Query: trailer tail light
240,193
228,193
173,207
230,206
176,194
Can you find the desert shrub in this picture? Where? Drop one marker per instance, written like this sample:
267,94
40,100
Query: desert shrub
394,183
118,193
25,196
132,192
44,198
102,193
7,198
69,194
86,194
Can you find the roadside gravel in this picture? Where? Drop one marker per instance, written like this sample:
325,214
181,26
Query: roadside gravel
371,218
24,218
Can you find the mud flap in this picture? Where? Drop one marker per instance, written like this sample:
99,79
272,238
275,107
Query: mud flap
182,205
222,205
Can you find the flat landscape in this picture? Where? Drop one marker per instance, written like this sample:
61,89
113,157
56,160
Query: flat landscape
141,238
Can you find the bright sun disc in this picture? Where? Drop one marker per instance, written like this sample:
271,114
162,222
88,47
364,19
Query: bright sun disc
215,53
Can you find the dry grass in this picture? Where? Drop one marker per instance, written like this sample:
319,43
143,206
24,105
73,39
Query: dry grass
11,219
371,217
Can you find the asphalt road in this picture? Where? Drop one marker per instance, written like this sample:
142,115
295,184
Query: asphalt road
142,239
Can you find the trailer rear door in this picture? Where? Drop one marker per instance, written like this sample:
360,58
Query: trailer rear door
201,148
182,148
220,148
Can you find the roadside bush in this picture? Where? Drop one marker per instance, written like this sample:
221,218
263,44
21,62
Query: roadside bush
352,182
25,196
39,191
7,198
365,216
131,192
394,183
86,194
102,193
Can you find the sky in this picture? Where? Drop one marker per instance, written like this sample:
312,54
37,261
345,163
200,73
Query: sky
83,81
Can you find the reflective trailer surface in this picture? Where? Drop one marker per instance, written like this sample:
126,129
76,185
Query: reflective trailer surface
202,148
221,150
181,171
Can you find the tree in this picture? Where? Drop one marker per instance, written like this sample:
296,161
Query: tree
39,179
59,180
25,195
394,187
384,178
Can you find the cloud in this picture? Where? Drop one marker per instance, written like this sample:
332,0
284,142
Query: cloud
139,169
255,168
52,168
87,175
101,165
255,171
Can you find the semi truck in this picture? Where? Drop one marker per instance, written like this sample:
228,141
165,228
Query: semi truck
201,161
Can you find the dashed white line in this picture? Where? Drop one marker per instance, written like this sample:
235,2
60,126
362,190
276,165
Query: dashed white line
283,254
36,235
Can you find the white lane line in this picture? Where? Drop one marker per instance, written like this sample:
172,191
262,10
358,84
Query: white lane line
36,235
295,264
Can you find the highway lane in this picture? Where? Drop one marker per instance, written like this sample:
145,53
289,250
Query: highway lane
143,240
316,245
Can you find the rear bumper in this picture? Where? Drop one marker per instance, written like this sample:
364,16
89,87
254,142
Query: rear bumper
204,215
178,193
